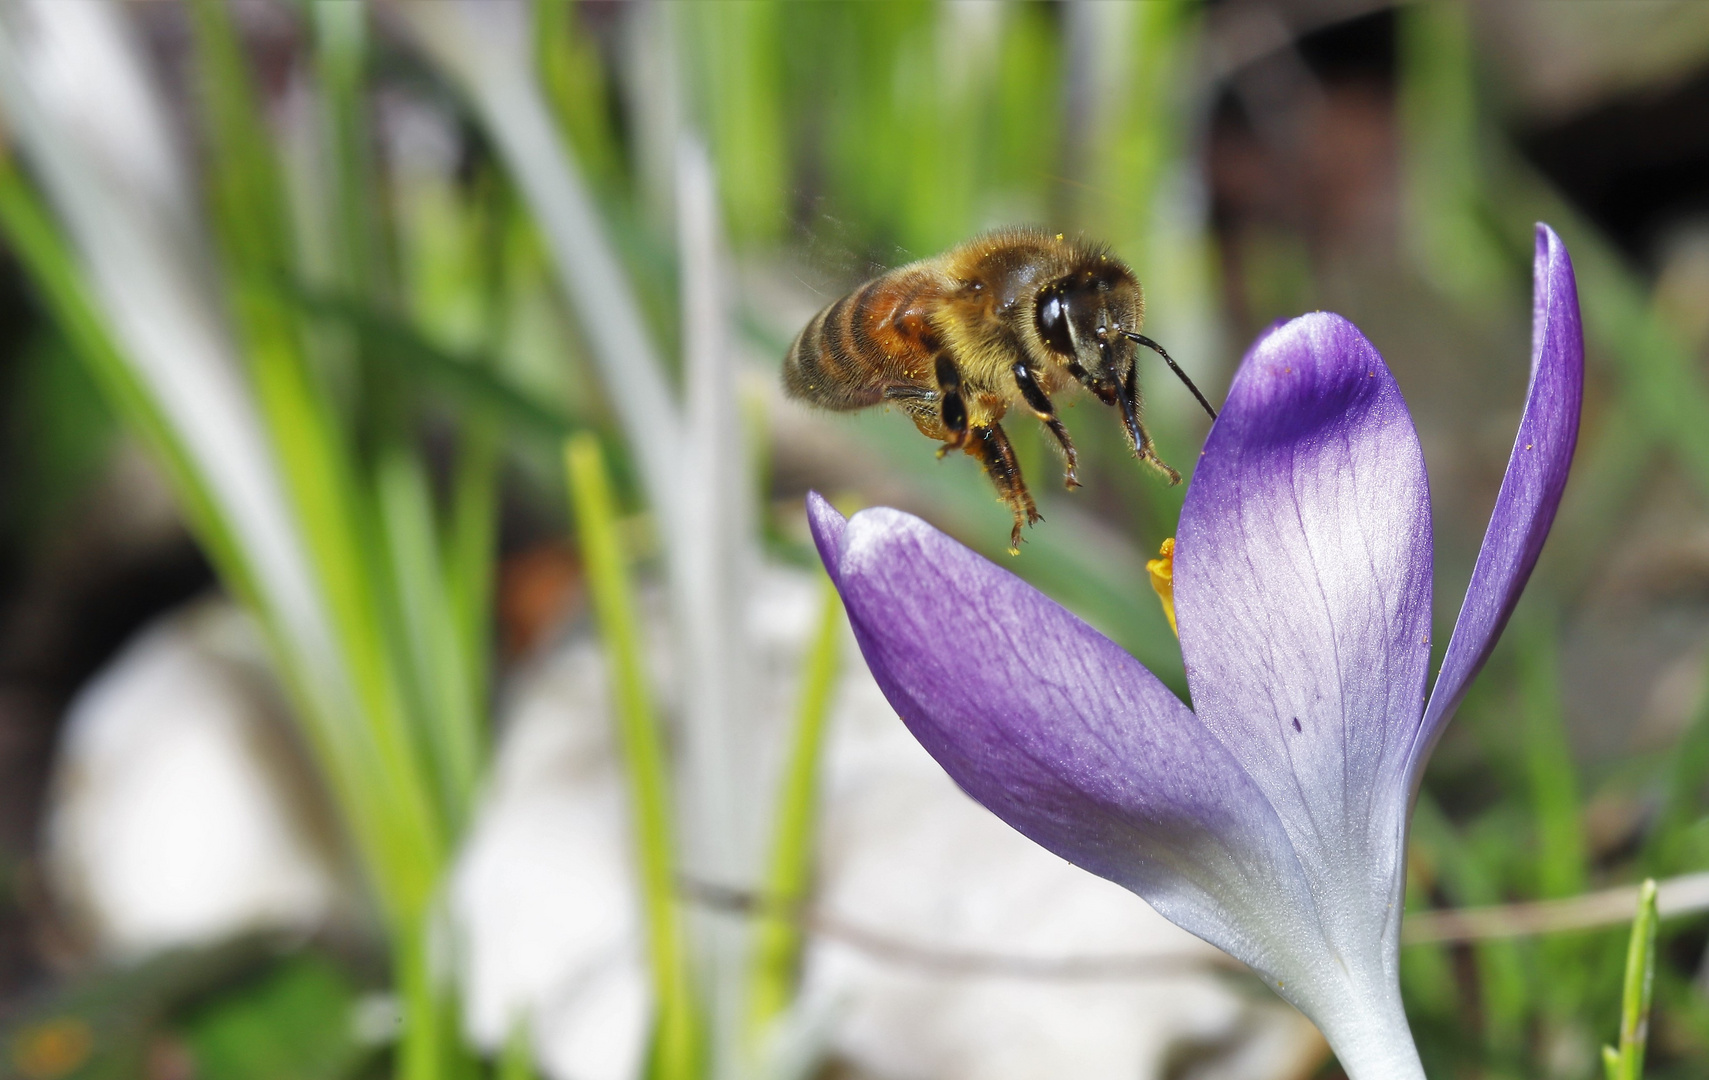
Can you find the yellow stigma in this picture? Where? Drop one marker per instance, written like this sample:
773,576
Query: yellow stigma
1162,571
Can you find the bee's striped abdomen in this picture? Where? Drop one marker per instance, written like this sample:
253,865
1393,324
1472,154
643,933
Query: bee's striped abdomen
862,346
825,366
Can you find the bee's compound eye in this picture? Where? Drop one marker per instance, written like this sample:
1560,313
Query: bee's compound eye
1053,323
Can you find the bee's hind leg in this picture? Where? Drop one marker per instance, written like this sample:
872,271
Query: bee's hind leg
1141,439
1045,410
991,446
925,408
952,406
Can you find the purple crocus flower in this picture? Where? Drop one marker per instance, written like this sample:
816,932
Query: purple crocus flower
1271,818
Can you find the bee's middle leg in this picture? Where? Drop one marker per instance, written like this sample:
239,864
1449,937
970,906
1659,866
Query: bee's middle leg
1039,402
990,444
1141,439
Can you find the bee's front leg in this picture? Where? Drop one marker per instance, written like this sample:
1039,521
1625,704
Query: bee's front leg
1039,402
1136,432
1103,389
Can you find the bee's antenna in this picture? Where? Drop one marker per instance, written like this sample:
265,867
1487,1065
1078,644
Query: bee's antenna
1173,366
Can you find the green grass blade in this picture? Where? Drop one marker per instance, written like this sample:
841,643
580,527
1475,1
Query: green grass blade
242,538
777,939
1131,153
1548,761
251,219
36,243
341,53
471,534
470,555
430,1045
447,702
1426,970
517,1060
1466,876
739,58
45,256
247,191
1561,859
1474,202
1626,1062
678,1040
1685,787
1658,373
572,78
1445,185
501,86
465,379
342,533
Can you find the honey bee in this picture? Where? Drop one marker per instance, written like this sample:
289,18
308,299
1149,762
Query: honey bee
1009,318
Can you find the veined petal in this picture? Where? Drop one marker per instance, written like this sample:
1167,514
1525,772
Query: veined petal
1069,739
1302,592
1530,492
828,528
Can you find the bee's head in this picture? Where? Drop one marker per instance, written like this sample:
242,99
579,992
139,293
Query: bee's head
1081,317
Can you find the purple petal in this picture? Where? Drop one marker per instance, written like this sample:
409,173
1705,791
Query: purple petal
828,527
1302,591
1067,738
1530,492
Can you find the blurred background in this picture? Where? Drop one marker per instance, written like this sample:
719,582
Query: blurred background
349,727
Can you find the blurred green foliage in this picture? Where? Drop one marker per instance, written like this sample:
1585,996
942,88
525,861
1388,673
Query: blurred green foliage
62,435
292,1021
